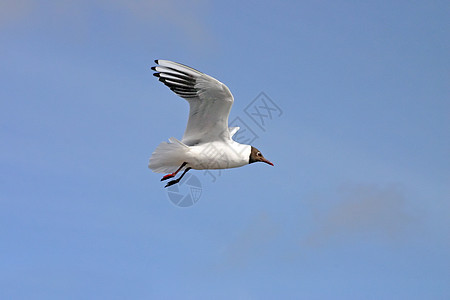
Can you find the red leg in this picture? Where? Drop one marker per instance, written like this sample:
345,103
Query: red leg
174,173
172,182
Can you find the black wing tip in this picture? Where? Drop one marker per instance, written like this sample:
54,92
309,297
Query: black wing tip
157,74
157,61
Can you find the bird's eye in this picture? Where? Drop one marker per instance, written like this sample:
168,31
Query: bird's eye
259,153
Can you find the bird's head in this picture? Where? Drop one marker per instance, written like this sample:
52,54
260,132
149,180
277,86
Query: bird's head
255,156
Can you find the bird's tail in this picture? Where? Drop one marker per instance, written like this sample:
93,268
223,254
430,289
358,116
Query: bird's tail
168,156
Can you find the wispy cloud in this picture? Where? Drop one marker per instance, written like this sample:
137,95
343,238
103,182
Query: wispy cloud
366,210
184,17
12,11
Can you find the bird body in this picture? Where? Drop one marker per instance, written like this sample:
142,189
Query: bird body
169,156
207,142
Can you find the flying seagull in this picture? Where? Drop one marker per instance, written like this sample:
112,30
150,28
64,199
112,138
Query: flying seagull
207,142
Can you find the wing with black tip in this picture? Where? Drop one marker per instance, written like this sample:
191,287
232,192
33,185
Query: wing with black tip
210,101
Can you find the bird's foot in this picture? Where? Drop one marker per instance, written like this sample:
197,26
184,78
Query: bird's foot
172,182
168,176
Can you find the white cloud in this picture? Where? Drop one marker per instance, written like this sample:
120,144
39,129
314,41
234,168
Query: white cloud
362,210
12,11
184,17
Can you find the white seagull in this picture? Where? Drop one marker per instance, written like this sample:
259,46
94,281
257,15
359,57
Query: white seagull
207,142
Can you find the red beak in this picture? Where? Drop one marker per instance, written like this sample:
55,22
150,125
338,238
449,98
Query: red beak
266,161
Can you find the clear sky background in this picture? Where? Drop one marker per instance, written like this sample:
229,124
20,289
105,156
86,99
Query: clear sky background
356,207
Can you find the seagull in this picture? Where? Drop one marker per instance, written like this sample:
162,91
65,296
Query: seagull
207,142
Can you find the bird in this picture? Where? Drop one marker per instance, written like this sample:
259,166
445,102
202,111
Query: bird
207,142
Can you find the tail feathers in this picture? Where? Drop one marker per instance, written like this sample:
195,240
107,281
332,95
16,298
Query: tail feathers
168,156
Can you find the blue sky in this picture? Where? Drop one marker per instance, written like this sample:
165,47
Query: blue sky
356,207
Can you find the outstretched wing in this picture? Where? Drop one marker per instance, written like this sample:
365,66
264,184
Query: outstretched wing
210,101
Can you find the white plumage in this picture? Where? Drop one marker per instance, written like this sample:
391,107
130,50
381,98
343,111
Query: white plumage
207,142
